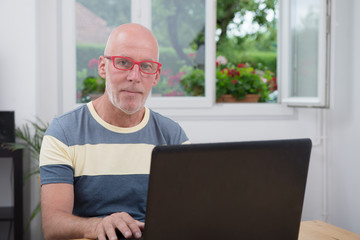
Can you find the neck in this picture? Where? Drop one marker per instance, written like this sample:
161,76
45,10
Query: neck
114,116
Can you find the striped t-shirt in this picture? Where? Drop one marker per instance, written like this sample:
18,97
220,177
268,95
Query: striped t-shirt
108,165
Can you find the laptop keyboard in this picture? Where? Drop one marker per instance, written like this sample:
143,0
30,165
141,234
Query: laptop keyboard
121,237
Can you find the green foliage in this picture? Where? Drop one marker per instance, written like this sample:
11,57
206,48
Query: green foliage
235,80
180,30
193,81
92,85
179,25
239,81
257,49
87,79
259,60
169,85
228,9
256,59
86,52
170,60
30,135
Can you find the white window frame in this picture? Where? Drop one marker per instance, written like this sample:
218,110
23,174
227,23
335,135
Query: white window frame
68,57
191,107
323,99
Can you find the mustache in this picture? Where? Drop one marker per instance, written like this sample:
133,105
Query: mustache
132,89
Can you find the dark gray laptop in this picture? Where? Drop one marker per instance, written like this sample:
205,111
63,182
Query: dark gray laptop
239,190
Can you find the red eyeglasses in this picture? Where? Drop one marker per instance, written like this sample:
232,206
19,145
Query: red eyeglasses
124,63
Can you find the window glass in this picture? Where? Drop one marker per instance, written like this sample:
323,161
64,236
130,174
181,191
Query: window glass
94,22
304,20
180,29
246,47
246,44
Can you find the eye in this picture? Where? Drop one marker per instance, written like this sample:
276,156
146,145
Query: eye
123,63
147,66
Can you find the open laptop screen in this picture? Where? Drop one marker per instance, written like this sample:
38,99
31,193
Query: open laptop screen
239,190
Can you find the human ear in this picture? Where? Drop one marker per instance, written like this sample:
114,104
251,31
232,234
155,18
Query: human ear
157,78
101,67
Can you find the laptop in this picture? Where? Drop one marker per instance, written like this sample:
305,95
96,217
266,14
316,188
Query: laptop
238,190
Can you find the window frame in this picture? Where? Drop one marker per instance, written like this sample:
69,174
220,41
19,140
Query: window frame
67,54
323,97
186,107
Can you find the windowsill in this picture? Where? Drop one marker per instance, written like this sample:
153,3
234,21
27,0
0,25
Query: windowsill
230,111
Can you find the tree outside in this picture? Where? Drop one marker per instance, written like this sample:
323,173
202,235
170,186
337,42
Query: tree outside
246,34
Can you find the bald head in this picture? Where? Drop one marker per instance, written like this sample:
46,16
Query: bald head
131,36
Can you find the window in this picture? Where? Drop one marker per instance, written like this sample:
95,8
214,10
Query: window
94,22
185,31
180,29
305,36
187,36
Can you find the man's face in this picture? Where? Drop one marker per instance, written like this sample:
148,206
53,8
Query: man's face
128,90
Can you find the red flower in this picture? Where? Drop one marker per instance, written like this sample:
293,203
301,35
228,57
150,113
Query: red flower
233,73
272,83
93,63
242,65
175,79
225,69
192,55
234,81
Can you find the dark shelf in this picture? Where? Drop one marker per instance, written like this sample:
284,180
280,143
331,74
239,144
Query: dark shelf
5,153
6,213
15,213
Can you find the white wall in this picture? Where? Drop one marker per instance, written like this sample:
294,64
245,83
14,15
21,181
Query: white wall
344,121
332,191
18,75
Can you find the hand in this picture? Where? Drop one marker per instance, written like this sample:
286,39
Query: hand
128,226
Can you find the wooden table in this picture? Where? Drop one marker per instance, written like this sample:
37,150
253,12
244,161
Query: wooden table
318,230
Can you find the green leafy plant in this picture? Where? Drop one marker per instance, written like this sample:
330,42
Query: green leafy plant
241,80
193,81
92,85
30,136
169,84
237,81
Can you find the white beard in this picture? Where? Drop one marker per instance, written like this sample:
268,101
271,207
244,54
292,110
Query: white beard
116,102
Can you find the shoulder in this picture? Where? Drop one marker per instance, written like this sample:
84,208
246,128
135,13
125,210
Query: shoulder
67,123
163,119
168,128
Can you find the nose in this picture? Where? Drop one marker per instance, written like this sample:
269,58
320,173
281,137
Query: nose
134,73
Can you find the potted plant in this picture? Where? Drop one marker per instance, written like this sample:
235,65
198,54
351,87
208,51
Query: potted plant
93,87
240,83
31,136
193,81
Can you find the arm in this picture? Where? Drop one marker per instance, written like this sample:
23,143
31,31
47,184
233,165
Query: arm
59,223
57,219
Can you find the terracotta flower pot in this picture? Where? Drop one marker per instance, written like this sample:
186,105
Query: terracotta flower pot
249,98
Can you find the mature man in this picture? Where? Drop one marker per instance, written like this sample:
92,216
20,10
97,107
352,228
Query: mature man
95,159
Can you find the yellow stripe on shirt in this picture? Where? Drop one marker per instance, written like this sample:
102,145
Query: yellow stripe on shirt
99,159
